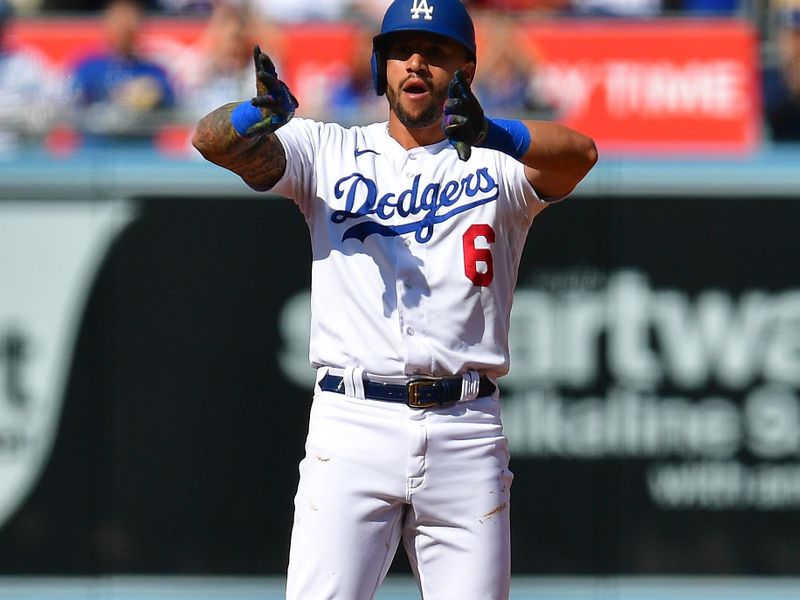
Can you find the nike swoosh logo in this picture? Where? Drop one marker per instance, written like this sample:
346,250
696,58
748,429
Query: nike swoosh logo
357,152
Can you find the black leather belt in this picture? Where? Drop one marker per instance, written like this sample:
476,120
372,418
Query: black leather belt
423,392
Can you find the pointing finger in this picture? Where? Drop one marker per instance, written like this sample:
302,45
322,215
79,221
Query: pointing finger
453,106
454,89
265,63
463,149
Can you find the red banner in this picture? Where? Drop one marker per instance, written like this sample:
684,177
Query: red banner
671,86
658,86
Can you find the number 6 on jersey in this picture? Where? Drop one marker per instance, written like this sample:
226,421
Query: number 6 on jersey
478,264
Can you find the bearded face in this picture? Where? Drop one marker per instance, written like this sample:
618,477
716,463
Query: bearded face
416,114
419,68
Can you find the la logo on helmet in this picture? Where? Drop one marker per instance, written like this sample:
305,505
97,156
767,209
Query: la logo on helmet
421,6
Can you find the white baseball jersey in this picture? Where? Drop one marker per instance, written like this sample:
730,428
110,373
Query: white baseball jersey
415,252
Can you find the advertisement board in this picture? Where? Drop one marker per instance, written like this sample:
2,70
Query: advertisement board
671,86
660,86
653,406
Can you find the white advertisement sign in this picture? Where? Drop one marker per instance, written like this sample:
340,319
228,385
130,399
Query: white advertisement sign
49,255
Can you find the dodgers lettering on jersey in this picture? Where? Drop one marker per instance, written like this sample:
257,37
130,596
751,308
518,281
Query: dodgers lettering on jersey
415,253
362,198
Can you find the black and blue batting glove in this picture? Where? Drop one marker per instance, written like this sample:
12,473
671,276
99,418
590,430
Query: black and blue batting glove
464,123
275,103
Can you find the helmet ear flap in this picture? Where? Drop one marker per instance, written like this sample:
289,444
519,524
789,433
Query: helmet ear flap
378,72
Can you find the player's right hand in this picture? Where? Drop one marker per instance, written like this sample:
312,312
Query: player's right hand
273,97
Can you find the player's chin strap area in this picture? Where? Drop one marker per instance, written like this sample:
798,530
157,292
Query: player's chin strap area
417,392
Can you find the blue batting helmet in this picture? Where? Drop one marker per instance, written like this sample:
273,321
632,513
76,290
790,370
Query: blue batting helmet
448,18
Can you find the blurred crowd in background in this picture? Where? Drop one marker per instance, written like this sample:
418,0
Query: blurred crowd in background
118,89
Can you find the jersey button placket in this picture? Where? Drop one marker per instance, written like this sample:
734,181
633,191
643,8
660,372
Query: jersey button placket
409,274
402,282
411,166
410,284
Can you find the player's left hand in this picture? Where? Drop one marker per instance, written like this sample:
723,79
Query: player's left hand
464,123
273,97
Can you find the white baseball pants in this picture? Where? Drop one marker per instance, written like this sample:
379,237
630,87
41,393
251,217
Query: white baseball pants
376,472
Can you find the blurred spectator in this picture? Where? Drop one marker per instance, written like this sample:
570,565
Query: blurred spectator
116,89
617,8
287,11
706,7
709,7
351,97
504,81
29,93
220,68
82,6
782,81
372,11
188,8
526,5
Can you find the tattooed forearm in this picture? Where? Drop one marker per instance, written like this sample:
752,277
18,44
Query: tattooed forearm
260,160
264,164
214,133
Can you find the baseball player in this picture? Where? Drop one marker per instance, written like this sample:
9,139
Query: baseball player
417,225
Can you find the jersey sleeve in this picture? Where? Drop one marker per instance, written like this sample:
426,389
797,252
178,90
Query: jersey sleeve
518,190
301,142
